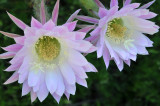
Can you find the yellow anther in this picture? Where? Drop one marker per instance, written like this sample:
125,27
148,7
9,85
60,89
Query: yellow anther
47,48
116,30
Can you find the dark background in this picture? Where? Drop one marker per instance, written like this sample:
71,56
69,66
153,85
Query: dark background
138,85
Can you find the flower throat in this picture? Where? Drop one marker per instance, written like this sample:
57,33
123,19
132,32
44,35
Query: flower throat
116,30
47,48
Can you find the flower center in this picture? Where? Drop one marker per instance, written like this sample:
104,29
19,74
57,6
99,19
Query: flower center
116,30
47,48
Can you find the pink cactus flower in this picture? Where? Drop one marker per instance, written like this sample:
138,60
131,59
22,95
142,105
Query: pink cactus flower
48,59
119,34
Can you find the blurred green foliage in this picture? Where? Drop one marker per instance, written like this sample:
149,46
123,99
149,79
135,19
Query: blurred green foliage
138,85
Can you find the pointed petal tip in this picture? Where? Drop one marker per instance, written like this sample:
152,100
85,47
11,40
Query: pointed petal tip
147,5
5,83
9,34
17,21
42,12
55,12
73,16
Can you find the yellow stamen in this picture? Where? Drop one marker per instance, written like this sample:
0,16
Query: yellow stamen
47,48
116,30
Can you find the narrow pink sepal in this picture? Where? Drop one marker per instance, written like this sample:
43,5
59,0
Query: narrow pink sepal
99,4
113,3
35,23
43,14
73,16
20,40
12,79
112,11
149,16
18,22
127,2
13,67
7,55
87,28
12,48
133,5
11,35
55,12
88,19
71,26
92,38
92,49
102,12
147,5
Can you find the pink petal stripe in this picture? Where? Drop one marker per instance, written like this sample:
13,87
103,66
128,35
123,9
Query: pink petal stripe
113,3
49,25
67,95
13,48
56,97
20,40
79,71
60,87
7,55
88,19
23,77
82,82
68,73
149,16
33,96
121,65
106,57
11,35
92,49
51,80
90,68
133,5
55,12
35,23
43,92
25,89
100,49
128,62
73,16
12,79
99,4
13,67
43,14
147,5
127,2
102,12
71,25
87,29
71,89
92,38
18,22
112,11
80,35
